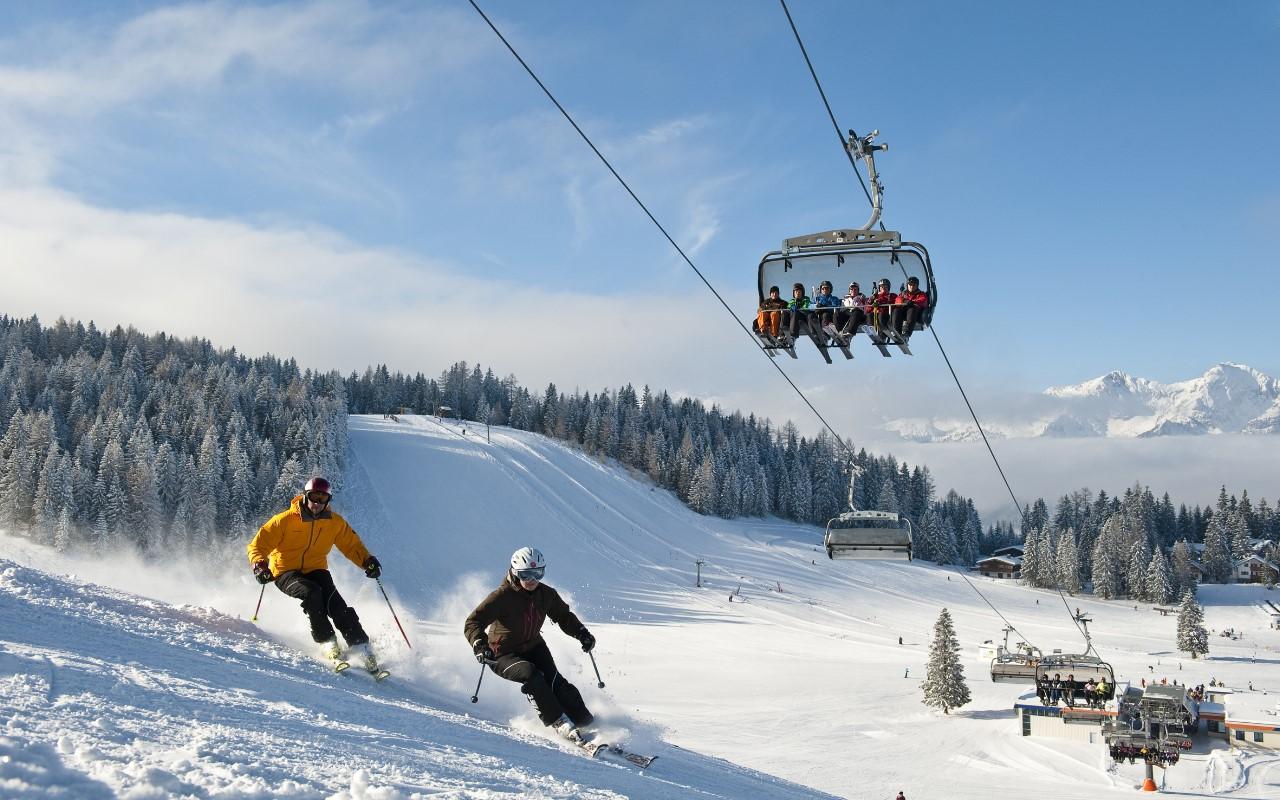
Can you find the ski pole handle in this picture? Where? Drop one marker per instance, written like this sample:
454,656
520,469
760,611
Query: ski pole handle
475,697
599,683
258,608
393,612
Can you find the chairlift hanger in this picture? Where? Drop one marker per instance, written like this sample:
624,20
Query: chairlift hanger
855,534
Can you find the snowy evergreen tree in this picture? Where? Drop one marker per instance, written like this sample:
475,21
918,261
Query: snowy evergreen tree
1192,636
1068,562
1159,580
1185,574
1238,535
944,685
1217,559
1036,569
948,550
1135,574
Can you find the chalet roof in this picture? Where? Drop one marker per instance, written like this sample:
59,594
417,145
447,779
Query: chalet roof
1011,550
1013,561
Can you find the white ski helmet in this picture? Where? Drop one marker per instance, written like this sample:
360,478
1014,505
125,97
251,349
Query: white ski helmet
527,563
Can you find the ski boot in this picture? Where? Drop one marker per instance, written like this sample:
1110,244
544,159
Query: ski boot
330,650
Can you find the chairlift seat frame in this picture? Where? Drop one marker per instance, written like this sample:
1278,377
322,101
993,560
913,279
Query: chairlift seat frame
868,535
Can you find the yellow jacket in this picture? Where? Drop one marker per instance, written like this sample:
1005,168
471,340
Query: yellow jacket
293,539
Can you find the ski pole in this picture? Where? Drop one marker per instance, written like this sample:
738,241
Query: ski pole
475,698
254,618
393,612
599,683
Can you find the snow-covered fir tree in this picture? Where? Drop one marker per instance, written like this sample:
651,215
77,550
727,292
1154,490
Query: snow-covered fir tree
1067,562
1159,583
944,685
1216,558
1135,575
1034,567
1185,574
1192,636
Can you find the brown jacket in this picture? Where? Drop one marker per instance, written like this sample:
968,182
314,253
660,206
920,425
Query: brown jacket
514,617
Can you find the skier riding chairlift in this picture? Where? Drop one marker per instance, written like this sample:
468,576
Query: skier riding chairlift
852,255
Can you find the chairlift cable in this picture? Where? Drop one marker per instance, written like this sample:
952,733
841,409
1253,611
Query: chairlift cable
932,327
847,446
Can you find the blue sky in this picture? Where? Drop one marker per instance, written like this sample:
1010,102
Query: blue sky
360,182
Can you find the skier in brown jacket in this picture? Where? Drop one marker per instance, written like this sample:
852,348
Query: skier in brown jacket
505,632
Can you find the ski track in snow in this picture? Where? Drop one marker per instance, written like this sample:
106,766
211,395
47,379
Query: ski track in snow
799,674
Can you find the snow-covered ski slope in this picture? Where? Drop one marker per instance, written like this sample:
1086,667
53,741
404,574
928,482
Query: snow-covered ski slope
794,687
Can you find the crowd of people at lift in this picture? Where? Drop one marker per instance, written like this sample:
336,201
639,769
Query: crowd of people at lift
1092,693
831,319
1163,757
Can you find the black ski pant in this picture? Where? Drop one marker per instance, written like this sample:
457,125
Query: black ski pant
904,319
321,603
850,320
793,320
551,694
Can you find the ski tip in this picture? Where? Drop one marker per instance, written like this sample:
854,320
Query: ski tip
341,666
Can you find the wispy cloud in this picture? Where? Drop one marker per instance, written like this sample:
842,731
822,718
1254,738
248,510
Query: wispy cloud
313,294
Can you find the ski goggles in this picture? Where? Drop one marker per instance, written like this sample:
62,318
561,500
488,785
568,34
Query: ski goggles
531,574
319,497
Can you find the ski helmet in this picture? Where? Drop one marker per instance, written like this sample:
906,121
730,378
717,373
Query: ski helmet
527,563
317,485
825,285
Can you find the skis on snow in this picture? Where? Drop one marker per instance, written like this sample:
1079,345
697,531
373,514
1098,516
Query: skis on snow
379,674
596,749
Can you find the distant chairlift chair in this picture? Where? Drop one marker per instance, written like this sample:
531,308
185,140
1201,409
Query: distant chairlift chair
1017,665
858,534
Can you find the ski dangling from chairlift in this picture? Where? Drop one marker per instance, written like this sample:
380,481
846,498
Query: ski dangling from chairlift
858,534
870,262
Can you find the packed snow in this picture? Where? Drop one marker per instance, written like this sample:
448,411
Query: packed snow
780,677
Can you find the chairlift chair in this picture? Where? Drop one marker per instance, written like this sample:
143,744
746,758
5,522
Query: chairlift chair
851,255
1016,665
858,534
1082,666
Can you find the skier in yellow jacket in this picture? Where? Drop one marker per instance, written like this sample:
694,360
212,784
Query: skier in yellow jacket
292,550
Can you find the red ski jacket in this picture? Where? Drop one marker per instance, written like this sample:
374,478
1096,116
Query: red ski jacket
917,298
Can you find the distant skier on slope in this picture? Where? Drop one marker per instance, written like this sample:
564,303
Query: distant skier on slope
505,632
292,550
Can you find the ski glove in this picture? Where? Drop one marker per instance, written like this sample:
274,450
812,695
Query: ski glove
484,654
262,571
588,641
372,568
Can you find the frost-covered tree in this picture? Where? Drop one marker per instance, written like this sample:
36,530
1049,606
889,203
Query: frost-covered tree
1217,558
1135,575
944,685
1238,536
1192,636
1032,567
1185,574
1067,561
1159,579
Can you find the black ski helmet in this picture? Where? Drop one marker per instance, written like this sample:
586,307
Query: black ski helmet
799,286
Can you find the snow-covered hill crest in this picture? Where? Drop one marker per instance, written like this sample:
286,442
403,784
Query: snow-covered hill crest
1227,398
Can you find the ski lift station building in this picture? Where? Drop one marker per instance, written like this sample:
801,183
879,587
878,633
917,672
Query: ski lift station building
1077,724
1243,718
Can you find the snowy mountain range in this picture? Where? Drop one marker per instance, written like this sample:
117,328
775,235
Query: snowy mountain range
1227,398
